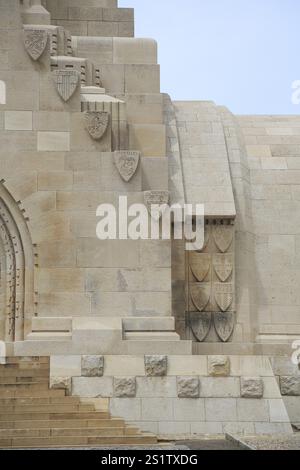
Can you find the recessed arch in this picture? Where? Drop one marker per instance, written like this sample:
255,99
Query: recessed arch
16,271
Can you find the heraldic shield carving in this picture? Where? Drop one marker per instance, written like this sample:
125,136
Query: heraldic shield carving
223,266
200,324
200,295
224,325
96,123
223,236
224,295
156,198
200,265
66,82
35,41
127,163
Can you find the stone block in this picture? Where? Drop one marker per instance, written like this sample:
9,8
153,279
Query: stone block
219,366
187,366
290,385
18,120
128,408
142,79
124,366
92,366
65,366
53,141
61,383
92,387
173,429
124,387
156,387
156,366
253,410
134,51
186,409
221,409
278,411
188,387
220,387
157,409
252,387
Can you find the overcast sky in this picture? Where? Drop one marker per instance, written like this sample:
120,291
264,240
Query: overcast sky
244,54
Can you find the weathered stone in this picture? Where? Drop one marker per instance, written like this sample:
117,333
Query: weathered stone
61,383
218,366
92,366
252,387
156,366
290,385
124,387
188,387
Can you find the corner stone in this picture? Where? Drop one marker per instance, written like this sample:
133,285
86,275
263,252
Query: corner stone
124,387
218,366
188,387
290,386
92,366
252,387
156,366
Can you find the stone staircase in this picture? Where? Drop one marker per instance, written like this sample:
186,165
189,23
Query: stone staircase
33,416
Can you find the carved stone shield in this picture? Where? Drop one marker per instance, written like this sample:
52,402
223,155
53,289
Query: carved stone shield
200,324
224,325
223,236
159,198
66,82
223,266
35,41
200,295
127,163
223,295
200,265
96,123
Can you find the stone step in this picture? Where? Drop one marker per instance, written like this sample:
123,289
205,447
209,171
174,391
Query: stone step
18,401
64,423
34,366
152,336
17,393
17,372
28,359
23,380
49,336
40,442
50,408
148,324
66,432
176,348
30,386
56,415
51,324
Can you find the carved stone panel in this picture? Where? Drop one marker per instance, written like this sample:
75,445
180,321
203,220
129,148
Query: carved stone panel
223,295
200,265
224,325
200,324
96,123
223,236
156,198
66,82
35,41
200,295
223,266
127,163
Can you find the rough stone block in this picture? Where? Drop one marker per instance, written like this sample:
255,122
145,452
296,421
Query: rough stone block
252,387
124,387
156,366
290,386
188,387
61,383
219,366
92,366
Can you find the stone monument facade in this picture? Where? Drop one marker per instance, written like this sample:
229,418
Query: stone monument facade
177,342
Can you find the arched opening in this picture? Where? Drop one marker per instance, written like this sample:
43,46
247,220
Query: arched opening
16,270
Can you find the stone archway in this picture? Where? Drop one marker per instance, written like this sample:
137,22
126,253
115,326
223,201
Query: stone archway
16,292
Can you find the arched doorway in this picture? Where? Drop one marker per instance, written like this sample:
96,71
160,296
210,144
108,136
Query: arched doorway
16,264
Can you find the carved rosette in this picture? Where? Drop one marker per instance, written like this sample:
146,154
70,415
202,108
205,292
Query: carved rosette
211,284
